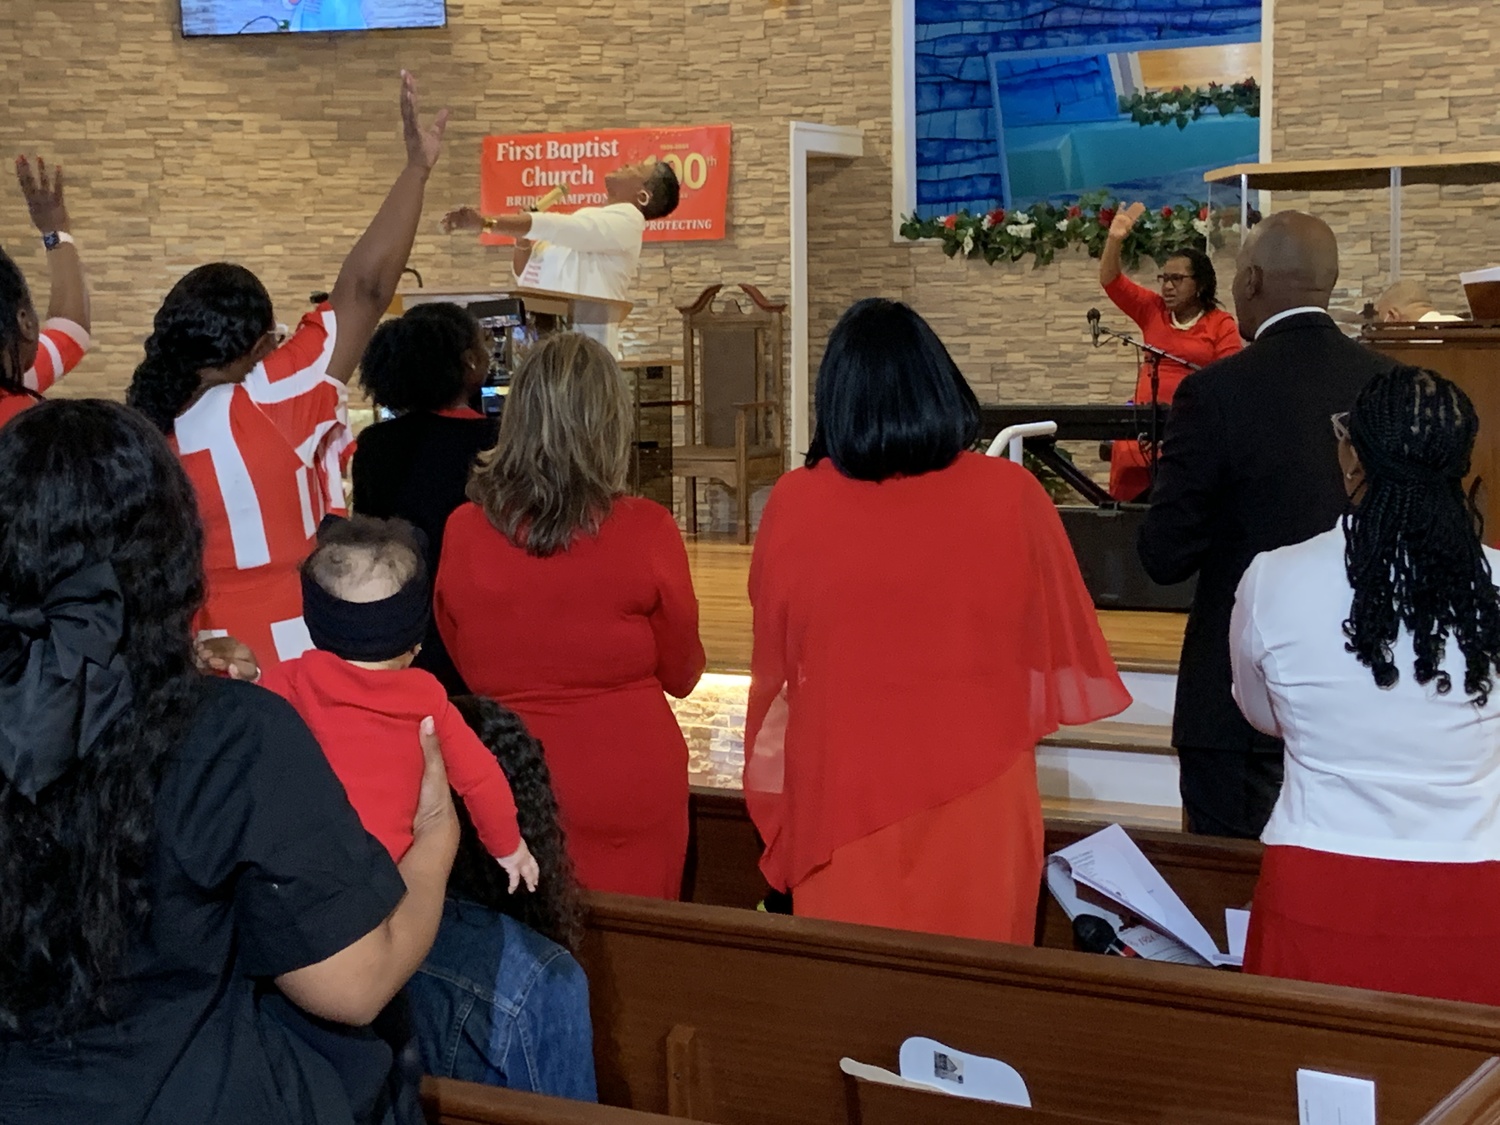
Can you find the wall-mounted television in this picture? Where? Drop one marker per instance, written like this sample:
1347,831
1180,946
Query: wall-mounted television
276,17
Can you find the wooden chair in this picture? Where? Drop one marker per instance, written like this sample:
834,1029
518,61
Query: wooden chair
732,379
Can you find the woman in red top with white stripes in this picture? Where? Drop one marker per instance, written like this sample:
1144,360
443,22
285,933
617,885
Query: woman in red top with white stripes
34,355
260,428
1183,320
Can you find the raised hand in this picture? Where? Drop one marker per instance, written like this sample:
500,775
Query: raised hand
1125,219
43,194
464,218
424,144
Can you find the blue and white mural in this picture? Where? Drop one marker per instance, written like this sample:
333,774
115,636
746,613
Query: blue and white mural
1020,100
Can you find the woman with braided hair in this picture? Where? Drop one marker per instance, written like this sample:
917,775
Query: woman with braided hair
1372,651
260,424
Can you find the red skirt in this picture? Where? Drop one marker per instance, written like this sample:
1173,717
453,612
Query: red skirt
1426,929
968,868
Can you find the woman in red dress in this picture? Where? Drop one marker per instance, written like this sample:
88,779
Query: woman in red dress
1183,320
920,624
572,604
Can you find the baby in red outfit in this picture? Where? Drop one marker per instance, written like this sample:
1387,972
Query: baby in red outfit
366,600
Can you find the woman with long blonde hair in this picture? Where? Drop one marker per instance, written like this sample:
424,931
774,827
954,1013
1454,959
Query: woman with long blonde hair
571,603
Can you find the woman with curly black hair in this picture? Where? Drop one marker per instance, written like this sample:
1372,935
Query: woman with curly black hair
261,425
1372,650
427,366
500,999
175,853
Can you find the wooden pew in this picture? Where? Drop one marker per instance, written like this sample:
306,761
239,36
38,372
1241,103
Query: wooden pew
449,1102
1475,1102
1209,874
735,1017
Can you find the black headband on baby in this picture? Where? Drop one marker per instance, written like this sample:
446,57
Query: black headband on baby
372,631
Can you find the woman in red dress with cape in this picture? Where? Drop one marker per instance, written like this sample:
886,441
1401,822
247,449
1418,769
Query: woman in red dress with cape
920,624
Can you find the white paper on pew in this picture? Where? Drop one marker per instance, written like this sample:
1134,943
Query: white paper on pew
939,1067
1334,1099
1150,944
1110,863
1237,926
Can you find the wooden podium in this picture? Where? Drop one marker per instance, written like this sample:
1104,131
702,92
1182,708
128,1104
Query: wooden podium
550,311
1468,352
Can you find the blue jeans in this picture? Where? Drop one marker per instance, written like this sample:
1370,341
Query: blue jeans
495,1002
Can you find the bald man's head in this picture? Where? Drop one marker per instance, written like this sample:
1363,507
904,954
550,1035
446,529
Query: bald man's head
1291,259
1403,301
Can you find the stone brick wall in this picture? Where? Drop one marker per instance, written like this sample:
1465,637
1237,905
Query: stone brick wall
274,151
1372,77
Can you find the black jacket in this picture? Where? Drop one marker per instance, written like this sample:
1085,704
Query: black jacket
1249,463
417,467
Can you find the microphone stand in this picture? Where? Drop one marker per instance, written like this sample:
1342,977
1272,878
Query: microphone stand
1152,355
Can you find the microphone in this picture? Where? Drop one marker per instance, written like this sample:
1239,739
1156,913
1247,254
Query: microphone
1092,934
1094,328
555,196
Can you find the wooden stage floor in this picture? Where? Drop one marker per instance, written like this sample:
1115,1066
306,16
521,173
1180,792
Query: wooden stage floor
1140,642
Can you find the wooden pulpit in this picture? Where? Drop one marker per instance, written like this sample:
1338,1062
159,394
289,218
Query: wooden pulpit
1468,352
549,311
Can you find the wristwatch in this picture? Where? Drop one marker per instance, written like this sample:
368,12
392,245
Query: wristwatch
55,238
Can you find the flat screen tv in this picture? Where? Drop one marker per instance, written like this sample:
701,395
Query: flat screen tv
278,17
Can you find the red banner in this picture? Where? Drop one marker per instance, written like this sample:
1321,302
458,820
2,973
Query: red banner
518,168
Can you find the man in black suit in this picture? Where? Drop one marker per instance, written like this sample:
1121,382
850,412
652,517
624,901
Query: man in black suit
1249,463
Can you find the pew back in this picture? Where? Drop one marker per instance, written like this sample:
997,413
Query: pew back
1209,874
738,1018
450,1102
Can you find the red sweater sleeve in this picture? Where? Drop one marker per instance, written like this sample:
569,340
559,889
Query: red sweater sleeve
479,780
680,659
455,544
1227,339
1135,301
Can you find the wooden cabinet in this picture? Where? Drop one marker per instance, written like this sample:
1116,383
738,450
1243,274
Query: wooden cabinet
1467,352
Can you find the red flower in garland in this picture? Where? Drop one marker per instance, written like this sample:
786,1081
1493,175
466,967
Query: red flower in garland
1106,216
1075,211
950,221
1203,213
996,217
1166,212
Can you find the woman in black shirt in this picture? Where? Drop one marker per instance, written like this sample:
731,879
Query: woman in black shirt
174,850
427,366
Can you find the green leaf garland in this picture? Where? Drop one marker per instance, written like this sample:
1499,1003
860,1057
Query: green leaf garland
1043,229
1182,105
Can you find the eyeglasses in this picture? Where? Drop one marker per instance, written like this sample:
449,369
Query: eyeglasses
1174,278
1340,425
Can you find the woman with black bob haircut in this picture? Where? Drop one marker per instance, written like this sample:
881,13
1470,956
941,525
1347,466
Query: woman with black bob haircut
890,401
501,999
1372,649
920,624
427,366
174,849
